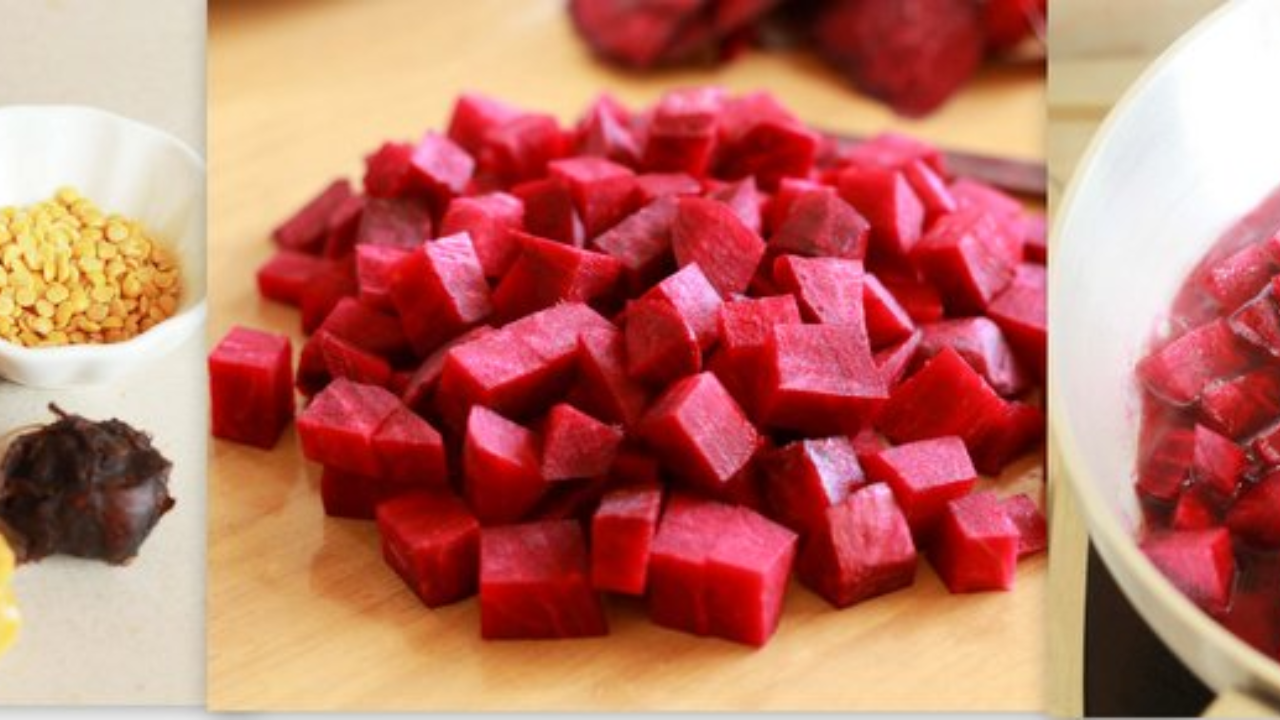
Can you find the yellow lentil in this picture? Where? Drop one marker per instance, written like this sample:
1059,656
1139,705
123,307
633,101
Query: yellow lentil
71,273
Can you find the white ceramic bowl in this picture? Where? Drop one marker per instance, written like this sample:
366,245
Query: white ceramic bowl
126,167
1192,147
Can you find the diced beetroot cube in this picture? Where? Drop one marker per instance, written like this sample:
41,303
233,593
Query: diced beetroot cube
367,328
699,432
490,221
287,273
1257,322
1253,516
605,131
1243,405
708,233
778,206
576,445
887,321
642,242
1240,276
977,545
1035,243
682,133
970,256
1166,468
719,570
805,478
421,385
820,224
1177,372
762,139
410,451
745,324
1266,445
323,294
931,189
386,170
1195,510
348,495
251,387
1020,312
860,548
1198,562
945,397
970,193
520,148
535,583
547,272
1033,532
1216,462
305,230
651,187
603,192
474,116
343,228
338,427
895,360
439,291
521,368
401,223
440,167
326,356
887,201
925,476
500,468
1009,429
828,290
692,295
573,500
607,391
921,300
549,211
895,151
982,345
375,265
661,345
819,379
432,542
744,200
622,531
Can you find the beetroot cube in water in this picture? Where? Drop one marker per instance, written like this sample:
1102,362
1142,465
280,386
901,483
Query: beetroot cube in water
1198,562
621,535
719,570
924,476
440,291
338,427
861,548
1179,371
699,432
576,445
1252,518
977,545
432,542
251,387
500,467
535,583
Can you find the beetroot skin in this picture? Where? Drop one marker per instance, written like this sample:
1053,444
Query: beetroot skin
680,353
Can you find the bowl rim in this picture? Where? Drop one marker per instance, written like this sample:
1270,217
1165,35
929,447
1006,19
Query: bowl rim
1117,546
198,306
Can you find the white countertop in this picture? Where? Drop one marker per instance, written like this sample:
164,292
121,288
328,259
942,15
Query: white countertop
95,634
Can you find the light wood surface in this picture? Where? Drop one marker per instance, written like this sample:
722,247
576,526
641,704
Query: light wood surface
303,613
1098,49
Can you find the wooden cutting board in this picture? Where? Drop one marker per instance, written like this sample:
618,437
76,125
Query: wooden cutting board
302,612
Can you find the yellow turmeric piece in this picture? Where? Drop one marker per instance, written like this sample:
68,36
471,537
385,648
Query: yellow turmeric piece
72,274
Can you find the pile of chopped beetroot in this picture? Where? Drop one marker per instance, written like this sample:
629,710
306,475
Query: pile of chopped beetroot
910,54
680,353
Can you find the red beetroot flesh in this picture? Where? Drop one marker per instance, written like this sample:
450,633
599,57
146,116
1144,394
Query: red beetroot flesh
306,230
977,545
284,277
820,224
805,478
719,570
546,272
1033,531
432,542
605,389
576,445
829,290
500,468
1198,562
699,432
709,234
861,548
819,379
535,583
439,291
924,476
338,427
489,220
622,531
251,387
